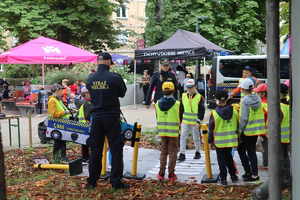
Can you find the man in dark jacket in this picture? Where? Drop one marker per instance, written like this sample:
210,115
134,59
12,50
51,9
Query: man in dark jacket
105,89
157,79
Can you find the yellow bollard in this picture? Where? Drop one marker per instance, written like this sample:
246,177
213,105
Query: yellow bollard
209,178
74,167
133,174
136,151
51,166
104,158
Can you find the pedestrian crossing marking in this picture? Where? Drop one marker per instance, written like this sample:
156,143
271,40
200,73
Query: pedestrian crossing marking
189,167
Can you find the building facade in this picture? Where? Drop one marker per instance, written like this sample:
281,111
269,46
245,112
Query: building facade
131,15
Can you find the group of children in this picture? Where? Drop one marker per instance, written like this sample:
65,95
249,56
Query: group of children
57,109
229,127
170,114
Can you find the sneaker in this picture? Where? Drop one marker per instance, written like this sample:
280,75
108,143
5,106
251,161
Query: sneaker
64,160
234,179
160,177
90,186
251,178
172,177
181,157
121,186
197,155
85,161
246,176
223,182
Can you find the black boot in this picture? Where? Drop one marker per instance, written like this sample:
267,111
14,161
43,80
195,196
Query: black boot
181,157
197,155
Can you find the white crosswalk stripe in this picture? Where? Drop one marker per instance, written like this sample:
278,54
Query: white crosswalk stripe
190,167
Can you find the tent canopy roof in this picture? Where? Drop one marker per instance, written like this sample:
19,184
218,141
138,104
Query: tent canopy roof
180,40
44,50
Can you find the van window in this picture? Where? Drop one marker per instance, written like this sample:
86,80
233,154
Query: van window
284,68
234,68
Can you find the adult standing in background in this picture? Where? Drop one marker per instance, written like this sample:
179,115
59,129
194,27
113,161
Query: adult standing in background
146,84
105,88
158,78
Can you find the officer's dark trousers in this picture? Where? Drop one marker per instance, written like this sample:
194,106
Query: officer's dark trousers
59,149
108,126
225,161
247,153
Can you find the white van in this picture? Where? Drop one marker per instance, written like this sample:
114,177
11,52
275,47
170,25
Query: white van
227,71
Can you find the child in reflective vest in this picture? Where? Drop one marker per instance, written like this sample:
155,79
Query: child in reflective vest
84,117
167,116
251,125
57,110
223,133
191,111
261,91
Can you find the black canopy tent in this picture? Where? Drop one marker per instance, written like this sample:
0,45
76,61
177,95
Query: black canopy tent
181,45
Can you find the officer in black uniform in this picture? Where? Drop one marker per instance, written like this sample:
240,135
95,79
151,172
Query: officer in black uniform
105,88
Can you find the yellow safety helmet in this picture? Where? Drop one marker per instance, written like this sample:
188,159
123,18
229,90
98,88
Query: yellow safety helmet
168,86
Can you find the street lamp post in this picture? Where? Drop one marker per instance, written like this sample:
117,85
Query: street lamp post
199,20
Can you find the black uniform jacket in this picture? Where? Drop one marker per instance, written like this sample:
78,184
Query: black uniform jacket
105,88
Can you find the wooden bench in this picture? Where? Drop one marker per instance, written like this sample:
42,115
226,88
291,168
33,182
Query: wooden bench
27,106
10,104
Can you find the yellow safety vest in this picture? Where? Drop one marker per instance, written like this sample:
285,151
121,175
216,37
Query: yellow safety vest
81,117
256,122
285,123
190,106
168,122
265,106
225,132
61,107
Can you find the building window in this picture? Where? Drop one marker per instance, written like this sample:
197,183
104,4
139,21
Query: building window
122,39
122,11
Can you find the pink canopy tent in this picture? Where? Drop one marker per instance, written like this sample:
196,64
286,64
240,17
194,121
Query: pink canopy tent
43,51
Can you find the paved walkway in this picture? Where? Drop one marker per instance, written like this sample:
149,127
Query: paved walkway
190,170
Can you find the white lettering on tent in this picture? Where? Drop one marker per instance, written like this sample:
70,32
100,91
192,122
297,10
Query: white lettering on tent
54,58
51,49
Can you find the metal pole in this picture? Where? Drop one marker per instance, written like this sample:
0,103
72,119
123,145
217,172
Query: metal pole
295,42
205,91
30,128
197,71
273,66
43,79
134,92
43,75
2,172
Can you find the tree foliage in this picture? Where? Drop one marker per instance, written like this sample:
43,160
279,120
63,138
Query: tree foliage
86,22
20,71
284,18
232,24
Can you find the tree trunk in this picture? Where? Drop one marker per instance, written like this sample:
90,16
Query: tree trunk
2,172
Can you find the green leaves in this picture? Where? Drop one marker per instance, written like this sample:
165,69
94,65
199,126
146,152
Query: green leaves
87,23
233,24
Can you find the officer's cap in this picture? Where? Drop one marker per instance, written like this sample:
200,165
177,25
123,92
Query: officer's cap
105,56
164,61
